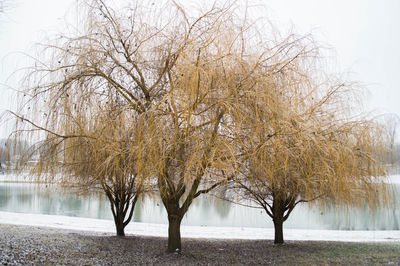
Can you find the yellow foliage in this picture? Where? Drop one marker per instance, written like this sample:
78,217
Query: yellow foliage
190,103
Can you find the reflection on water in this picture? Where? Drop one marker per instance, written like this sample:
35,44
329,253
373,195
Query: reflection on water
33,198
205,211
363,218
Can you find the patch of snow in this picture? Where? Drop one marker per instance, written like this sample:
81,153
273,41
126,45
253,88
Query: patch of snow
394,179
148,229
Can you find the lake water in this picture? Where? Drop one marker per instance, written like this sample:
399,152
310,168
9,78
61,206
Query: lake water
205,211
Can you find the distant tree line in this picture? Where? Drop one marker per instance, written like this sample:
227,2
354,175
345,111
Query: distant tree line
154,98
6,5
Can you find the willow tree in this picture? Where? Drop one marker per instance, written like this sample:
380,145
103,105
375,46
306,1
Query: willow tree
107,154
86,140
189,136
189,141
302,142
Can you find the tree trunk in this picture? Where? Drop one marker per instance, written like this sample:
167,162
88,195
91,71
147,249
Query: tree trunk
119,225
278,212
174,233
278,225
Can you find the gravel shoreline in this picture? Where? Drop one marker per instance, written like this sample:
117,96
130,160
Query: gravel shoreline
26,245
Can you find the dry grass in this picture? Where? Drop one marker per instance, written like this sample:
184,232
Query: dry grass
33,245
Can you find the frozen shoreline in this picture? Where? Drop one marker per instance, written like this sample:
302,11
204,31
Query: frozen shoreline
161,230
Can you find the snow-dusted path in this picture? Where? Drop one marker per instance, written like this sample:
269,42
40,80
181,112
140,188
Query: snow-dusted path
107,226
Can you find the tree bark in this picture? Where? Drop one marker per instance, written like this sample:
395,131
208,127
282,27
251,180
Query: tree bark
278,225
119,225
174,233
278,210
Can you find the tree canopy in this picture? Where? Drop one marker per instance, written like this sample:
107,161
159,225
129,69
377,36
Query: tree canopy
157,96
302,147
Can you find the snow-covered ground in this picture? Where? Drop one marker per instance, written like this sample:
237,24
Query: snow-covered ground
107,226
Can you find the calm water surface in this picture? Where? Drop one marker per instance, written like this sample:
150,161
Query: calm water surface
205,211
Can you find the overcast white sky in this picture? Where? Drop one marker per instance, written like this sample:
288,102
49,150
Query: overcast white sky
364,33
